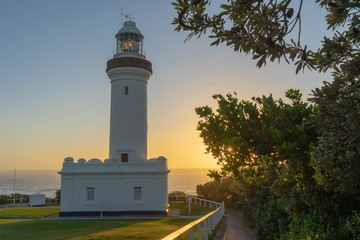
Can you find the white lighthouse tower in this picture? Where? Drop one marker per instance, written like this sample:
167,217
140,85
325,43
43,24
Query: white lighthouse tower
128,182
129,72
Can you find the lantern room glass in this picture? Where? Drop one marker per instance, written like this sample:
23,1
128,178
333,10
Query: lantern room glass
129,43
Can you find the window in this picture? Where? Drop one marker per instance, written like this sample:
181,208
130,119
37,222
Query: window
124,157
126,89
137,193
90,194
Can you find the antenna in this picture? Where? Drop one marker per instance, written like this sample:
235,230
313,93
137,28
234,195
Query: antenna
128,17
14,185
121,17
14,180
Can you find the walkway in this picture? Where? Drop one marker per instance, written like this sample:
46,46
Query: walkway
236,230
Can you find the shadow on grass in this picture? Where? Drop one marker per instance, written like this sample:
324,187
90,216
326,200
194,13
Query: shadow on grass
149,229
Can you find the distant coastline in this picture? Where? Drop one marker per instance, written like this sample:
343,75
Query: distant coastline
48,181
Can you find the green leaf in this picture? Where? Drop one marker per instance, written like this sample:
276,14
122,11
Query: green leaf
298,68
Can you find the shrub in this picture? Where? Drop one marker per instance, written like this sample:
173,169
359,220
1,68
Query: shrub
177,196
268,215
218,192
306,227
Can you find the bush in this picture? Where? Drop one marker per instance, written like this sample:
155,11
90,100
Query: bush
218,192
177,196
4,199
58,195
311,226
268,215
353,227
306,227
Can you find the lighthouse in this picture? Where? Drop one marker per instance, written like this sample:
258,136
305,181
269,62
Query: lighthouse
127,182
129,73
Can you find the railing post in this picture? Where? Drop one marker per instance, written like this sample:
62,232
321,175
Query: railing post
222,208
191,234
209,226
200,232
205,230
189,206
213,222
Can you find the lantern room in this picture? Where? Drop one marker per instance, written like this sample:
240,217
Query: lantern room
129,39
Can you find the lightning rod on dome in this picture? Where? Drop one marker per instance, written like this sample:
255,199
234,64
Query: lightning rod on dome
127,17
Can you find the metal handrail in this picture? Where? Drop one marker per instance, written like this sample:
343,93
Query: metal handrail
207,222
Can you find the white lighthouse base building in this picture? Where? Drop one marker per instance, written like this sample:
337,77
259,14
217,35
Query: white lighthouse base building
113,188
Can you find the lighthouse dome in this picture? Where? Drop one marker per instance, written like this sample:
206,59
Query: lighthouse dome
130,27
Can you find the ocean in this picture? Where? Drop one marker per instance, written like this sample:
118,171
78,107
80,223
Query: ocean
48,181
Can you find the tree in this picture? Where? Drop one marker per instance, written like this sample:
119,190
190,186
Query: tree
58,195
336,159
265,29
264,144
256,140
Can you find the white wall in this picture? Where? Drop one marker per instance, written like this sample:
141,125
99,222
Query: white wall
37,200
128,113
116,192
114,186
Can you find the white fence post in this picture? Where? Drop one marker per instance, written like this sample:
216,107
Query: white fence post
205,230
209,226
200,231
189,206
191,234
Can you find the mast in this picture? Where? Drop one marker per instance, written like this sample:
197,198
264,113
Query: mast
14,185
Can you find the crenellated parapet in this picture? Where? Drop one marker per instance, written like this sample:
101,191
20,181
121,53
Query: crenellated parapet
109,166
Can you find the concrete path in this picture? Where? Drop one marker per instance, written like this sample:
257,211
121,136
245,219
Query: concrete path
236,230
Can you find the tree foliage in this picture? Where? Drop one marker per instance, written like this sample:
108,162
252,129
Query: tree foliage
265,144
295,158
256,140
266,29
219,191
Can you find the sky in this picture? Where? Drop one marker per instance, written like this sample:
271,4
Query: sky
55,94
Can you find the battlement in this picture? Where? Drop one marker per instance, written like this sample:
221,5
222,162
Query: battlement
110,166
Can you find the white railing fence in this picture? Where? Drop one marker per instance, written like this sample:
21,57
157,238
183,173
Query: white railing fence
203,226
202,202
19,200
26,200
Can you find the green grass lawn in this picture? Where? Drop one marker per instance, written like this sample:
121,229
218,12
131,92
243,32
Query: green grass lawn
145,229
29,212
90,229
196,210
